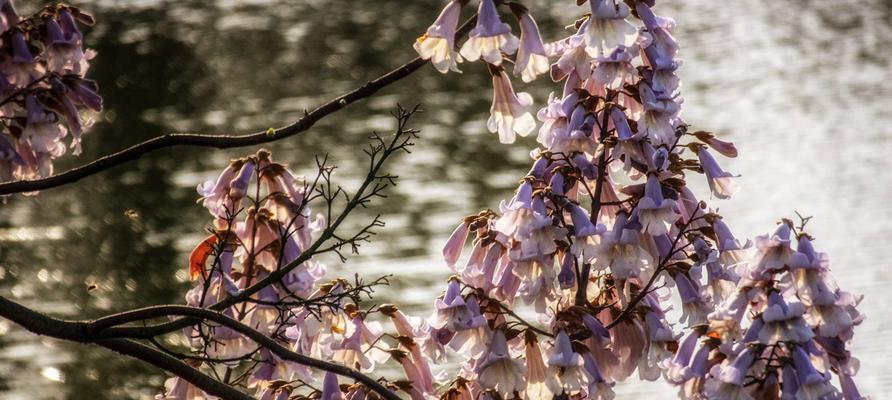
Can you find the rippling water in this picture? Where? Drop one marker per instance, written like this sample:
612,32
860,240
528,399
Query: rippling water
802,87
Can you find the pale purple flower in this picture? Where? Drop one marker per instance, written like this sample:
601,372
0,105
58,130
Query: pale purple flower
615,69
19,70
536,373
656,213
532,60
724,148
499,371
238,187
582,224
567,275
663,48
510,111
490,37
330,388
64,44
676,368
607,28
721,183
812,384
438,43
471,334
784,322
695,304
537,282
774,251
620,251
177,388
573,60
660,112
565,370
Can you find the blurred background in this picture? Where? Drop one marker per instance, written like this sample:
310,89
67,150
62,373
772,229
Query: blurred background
802,87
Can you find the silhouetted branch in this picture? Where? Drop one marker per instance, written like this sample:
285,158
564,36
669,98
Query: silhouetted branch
76,331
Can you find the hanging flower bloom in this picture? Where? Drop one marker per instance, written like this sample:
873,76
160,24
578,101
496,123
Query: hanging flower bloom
330,388
620,251
607,28
453,248
509,111
20,69
615,69
536,387
499,371
720,182
490,37
438,43
532,60
812,384
660,112
783,322
655,213
565,371
64,44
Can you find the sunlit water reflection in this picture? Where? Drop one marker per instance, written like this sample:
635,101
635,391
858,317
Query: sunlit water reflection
802,87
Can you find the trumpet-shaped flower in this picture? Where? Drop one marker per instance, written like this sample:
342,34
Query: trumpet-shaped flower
509,114
532,60
607,28
490,37
438,43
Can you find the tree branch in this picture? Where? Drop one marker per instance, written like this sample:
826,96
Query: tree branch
258,337
75,331
222,141
399,141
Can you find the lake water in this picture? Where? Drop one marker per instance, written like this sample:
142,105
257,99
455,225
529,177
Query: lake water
802,87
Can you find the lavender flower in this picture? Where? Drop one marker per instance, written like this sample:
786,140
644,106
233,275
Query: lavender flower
438,43
509,115
490,37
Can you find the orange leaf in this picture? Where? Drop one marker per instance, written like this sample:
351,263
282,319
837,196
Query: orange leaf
200,256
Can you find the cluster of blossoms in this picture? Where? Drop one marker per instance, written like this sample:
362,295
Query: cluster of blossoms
603,233
573,284
43,93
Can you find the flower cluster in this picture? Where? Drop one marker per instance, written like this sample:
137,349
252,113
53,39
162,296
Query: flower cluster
603,232
43,94
569,287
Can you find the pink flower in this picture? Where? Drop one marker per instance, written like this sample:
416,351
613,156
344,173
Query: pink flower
499,371
510,111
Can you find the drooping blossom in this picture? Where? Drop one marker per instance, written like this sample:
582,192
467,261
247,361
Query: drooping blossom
490,37
499,371
509,113
532,59
721,183
607,28
438,43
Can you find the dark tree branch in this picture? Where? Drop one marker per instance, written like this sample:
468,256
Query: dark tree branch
258,337
75,331
222,141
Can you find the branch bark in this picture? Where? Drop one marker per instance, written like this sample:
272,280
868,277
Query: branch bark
75,331
251,333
